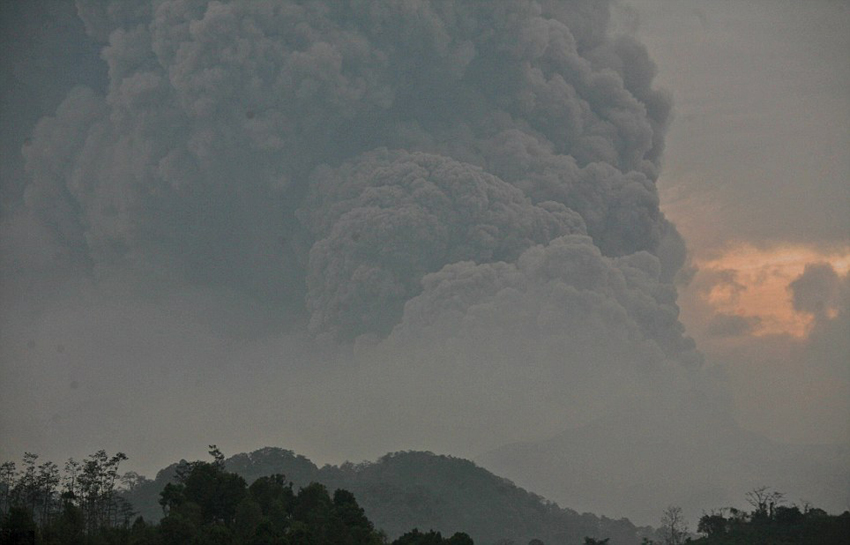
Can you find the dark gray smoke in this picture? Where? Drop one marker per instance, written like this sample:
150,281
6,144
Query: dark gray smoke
389,218
290,216
329,155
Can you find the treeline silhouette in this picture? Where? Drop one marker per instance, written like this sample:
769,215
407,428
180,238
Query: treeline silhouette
207,505
204,503
414,489
41,506
772,522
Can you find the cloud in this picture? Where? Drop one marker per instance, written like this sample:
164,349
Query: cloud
385,220
784,287
217,117
445,208
492,353
566,290
732,325
817,291
821,291
778,317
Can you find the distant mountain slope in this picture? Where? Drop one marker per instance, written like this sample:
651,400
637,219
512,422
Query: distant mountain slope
636,463
422,490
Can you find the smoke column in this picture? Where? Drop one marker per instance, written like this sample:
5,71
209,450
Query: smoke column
330,155
455,202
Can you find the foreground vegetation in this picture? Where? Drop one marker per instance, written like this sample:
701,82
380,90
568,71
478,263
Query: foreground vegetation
202,503
773,523
405,490
207,505
770,522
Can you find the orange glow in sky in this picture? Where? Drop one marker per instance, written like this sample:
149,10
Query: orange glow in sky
753,282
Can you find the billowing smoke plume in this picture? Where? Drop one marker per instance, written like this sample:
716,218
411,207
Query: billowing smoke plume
329,155
566,290
294,215
350,227
386,220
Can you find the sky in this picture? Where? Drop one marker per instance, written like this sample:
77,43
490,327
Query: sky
448,229
757,178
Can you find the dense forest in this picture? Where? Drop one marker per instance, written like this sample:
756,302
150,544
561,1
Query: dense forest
405,490
244,501
772,522
205,505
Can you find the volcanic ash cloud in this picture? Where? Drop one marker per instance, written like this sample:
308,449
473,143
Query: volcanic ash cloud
393,172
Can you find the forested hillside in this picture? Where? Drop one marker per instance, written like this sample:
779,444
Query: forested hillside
248,500
407,490
204,505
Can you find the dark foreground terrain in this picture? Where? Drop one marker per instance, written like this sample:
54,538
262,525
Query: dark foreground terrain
275,497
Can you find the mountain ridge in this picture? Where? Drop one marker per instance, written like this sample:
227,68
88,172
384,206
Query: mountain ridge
420,489
638,462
